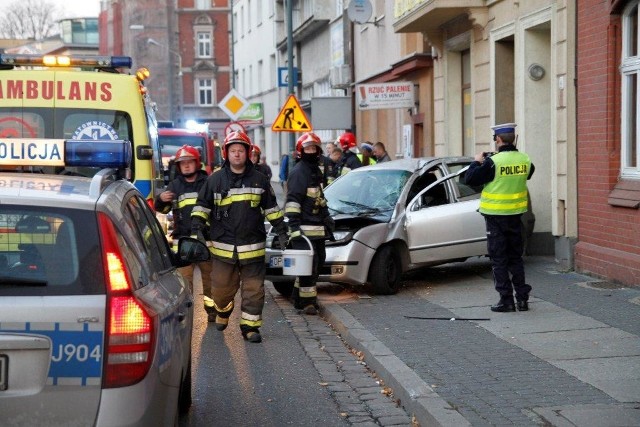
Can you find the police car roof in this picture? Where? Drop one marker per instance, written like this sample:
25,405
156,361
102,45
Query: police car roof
53,190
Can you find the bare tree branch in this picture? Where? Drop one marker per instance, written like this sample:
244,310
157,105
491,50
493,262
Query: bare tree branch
29,19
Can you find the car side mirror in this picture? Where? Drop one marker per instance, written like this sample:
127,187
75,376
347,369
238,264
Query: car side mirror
192,250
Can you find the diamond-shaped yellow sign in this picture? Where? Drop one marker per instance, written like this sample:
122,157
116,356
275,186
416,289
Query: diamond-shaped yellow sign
233,104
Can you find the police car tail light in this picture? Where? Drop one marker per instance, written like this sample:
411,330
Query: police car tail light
130,326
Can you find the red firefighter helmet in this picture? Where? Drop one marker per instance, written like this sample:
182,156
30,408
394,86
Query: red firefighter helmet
256,150
347,140
236,137
308,139
187,152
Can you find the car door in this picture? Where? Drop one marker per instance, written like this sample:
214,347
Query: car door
443,225
164,288
52,311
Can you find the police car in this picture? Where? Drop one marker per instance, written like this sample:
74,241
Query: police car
95,320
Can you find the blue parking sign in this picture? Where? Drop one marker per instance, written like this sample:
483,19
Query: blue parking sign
283,76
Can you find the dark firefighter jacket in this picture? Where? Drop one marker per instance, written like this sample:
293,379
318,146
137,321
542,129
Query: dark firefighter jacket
235,206
306,207
186,195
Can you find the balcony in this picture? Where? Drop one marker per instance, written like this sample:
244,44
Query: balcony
427,16
308,17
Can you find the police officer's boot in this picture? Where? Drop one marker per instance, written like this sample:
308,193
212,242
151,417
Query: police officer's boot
503,306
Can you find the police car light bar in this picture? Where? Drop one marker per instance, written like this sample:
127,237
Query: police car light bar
66,61
58,152
101,154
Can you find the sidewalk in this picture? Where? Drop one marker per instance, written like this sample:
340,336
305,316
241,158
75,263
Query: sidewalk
572,360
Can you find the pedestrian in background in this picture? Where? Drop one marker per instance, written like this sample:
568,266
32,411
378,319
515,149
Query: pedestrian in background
256,157
179,198
503,200
380,152
366,154
308,215
284,171
230,213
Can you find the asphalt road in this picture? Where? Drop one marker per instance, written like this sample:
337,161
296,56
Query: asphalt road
237,383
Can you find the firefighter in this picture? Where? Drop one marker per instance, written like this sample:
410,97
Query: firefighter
229,213
260,167
349,146
307,212
180,197
503,200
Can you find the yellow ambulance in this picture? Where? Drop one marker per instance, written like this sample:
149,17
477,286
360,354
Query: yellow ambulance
45,100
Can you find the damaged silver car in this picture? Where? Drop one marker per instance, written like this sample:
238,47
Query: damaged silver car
394,217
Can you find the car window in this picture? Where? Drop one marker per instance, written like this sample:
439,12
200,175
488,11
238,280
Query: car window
49,251
163,246
425,180
150,235
367,191
464,191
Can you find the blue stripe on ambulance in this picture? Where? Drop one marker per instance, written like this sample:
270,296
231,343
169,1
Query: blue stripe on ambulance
75,354
144,187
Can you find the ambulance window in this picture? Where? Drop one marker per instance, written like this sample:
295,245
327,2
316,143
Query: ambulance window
96,125
20,124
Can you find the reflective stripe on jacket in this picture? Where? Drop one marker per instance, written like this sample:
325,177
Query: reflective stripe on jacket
507,193
236,207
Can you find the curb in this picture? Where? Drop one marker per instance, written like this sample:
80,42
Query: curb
414,394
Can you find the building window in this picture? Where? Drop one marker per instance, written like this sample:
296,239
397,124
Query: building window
204,45
203,4
630,69
205,92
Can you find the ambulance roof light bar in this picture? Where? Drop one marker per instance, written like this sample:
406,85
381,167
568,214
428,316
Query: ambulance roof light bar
107,62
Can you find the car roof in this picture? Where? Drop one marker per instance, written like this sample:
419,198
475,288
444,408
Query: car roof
414,163
53,190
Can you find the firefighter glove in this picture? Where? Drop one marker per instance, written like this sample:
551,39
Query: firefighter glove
330,224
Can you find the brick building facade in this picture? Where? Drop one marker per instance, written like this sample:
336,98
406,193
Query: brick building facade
607,132
184,44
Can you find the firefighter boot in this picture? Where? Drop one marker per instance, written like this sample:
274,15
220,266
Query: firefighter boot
221,323
251,334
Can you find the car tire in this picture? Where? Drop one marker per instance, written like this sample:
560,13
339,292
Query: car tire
284,288
184,397
385,271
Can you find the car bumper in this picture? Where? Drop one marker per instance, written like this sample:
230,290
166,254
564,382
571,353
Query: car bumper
347,264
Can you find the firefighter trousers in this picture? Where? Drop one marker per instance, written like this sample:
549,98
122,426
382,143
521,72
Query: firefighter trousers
205,273
226,281
304,288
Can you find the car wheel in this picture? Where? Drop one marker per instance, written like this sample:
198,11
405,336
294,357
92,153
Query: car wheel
284,288
184,398
385,271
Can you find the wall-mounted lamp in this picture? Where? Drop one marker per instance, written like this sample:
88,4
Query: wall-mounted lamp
536,72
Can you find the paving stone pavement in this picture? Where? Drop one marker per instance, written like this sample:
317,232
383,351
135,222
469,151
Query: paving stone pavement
359,394
572,360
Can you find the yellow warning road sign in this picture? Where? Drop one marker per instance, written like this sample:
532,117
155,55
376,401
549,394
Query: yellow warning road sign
291,118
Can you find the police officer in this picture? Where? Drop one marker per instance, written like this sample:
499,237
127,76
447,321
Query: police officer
307,212
180,196
230,212
503,200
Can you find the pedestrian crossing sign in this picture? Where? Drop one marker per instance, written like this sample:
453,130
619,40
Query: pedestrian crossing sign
291,118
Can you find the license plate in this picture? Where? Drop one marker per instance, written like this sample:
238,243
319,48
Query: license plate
275,261
4,368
